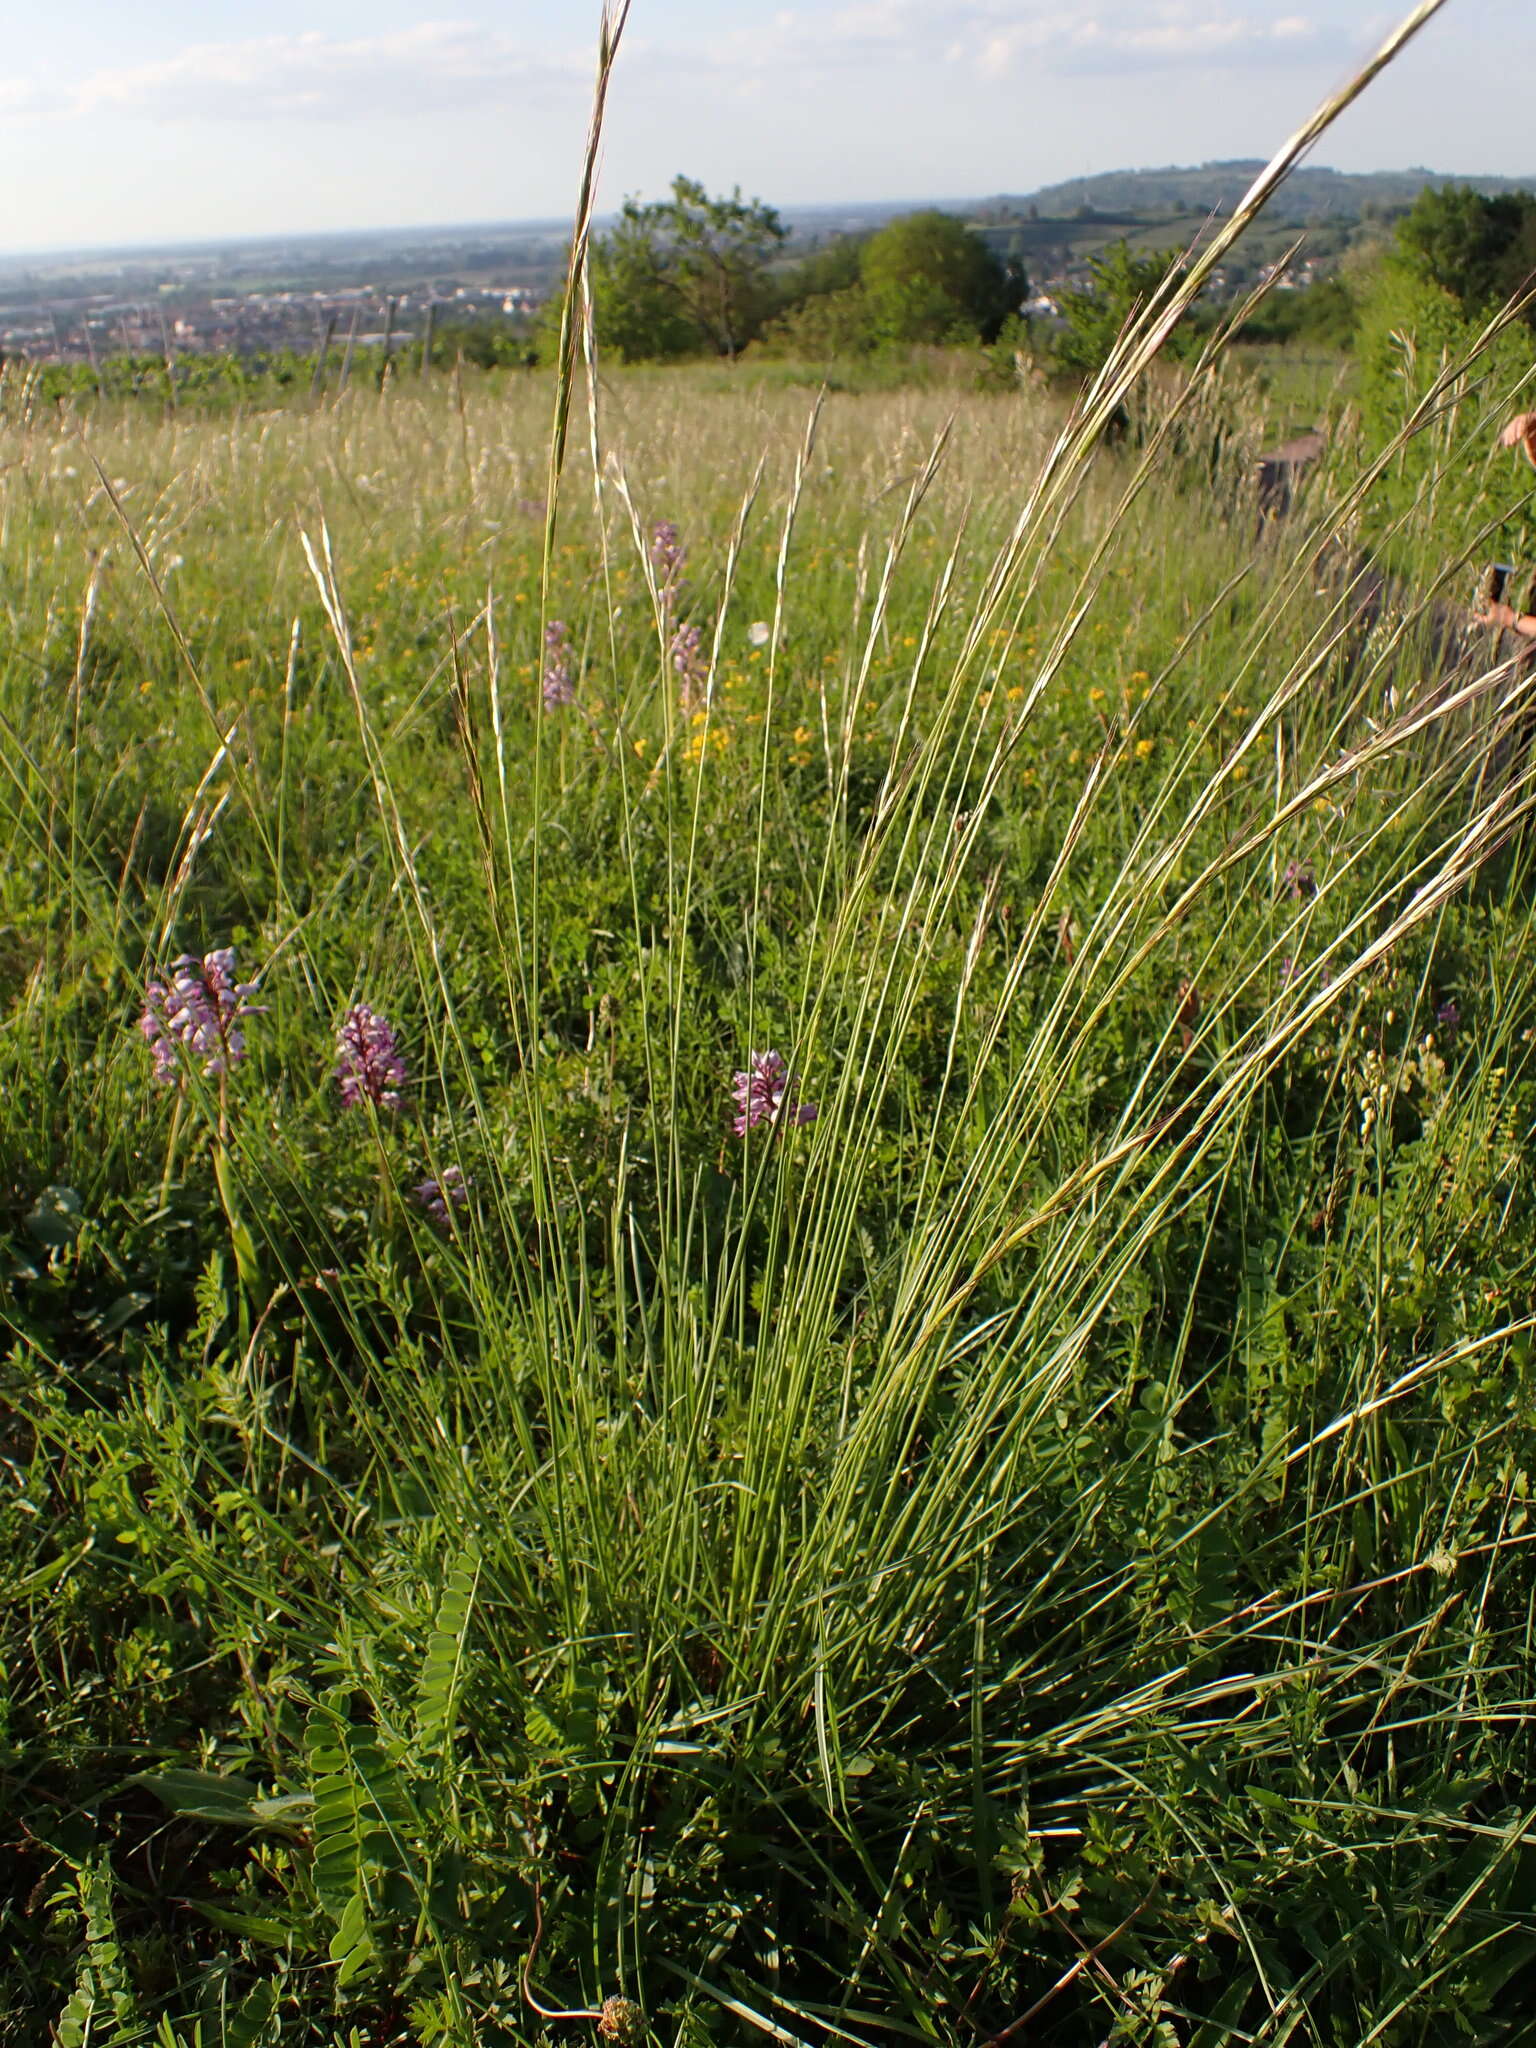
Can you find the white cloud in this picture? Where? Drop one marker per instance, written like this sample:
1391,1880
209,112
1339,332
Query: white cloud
1120,37
800,39
432,68
447,67
1001,37
26,96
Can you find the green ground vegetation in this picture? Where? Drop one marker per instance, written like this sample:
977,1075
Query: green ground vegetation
1039,1551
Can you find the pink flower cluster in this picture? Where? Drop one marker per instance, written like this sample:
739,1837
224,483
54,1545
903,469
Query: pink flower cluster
198,1015
765,1095
684,639
444,1197
559,674
688,659
667,554
368,1062
1298,880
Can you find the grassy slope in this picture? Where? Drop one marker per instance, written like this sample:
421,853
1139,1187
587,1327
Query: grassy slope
1049,1533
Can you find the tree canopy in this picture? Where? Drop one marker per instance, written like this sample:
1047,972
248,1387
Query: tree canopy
1095,313
688,275
1412,331
695,275
1480,248
930,278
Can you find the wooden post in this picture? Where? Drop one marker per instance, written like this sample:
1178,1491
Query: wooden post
346,360
389,332
317,382
170,367
90,350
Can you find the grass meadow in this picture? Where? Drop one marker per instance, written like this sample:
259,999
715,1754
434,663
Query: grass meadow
1036,1551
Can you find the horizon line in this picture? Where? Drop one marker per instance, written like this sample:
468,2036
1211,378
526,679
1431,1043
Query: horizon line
557,223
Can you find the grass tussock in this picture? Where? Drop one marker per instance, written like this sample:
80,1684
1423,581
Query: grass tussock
1028,1539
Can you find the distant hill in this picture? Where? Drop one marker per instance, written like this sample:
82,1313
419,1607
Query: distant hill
1313,193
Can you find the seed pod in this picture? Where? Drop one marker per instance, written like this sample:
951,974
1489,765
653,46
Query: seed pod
622,2021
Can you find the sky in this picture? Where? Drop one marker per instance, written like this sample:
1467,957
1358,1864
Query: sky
123,122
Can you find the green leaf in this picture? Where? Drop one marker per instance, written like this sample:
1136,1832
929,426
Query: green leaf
289,1809
360,1812
121,1312
251,2023
231,1802
442,1671
249,1926
241,1241
352,1945
55,1219
547,1738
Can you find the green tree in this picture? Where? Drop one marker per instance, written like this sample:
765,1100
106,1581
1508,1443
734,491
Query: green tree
486,342
1481,248
1326,314
1457,257
1095,314
1412,333
824,327
684,276
833,266
637,309
824,312
930,278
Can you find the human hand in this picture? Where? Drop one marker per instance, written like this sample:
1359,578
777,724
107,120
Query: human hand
1502,617
1521,433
